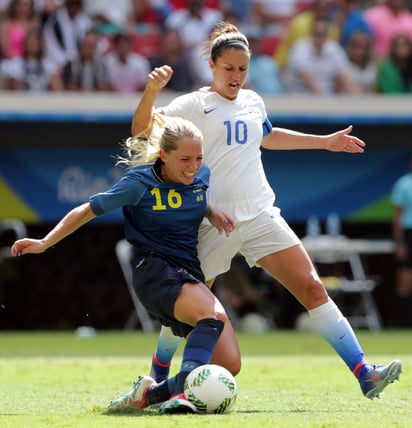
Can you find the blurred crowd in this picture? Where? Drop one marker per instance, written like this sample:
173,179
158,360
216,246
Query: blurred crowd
298,46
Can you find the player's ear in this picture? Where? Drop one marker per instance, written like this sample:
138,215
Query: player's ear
163,156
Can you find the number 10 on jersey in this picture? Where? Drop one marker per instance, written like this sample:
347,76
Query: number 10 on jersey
237,130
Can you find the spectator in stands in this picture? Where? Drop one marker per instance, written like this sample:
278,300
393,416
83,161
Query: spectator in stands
86,72
301,26
172,53
33,71
317,65
63,30
145,12
232,16
41,7
272,15
1,72
109,17
240,6
212,4
3,8
263,73
45,8
127,70
395,71
350,19
194,24
363,65
19,20
387,20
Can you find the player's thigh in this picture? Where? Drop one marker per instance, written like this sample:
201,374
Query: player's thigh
195,302
227,352
266,234
294,269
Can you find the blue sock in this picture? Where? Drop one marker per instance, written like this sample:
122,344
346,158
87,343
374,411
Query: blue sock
198,350
328,320
167,344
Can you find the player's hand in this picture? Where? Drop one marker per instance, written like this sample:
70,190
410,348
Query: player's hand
159,77
225,224
27,245
341,141
222,221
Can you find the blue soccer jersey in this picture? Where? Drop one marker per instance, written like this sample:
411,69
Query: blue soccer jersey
159,216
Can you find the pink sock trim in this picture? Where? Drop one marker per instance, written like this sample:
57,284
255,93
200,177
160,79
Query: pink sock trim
156,361
358,367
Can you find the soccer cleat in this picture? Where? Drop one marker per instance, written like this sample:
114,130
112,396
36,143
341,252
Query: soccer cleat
177,404
135,398
377,378
159,371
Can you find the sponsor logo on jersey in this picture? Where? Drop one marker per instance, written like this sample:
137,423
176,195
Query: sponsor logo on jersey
198,189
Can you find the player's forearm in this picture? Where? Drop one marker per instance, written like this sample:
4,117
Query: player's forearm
286,139
72,221
142,117
210,212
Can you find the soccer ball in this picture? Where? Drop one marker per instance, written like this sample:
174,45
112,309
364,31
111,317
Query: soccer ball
211,388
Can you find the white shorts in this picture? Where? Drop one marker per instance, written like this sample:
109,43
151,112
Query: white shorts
255,238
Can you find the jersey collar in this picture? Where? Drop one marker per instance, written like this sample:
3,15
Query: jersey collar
157,170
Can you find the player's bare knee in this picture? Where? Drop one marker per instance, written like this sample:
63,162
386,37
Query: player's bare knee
315,293
235,364
211,313
221,316
230,360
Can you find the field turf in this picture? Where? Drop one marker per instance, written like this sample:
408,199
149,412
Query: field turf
288,379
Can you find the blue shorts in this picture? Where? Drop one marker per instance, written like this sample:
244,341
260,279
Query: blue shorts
157,284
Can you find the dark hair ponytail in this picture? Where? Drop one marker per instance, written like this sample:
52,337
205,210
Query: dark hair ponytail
225,36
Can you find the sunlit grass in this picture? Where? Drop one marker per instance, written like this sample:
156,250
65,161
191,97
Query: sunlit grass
288,379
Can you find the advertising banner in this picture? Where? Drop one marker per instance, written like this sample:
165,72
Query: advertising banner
43,184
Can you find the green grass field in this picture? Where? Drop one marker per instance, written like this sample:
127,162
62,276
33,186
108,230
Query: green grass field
288,379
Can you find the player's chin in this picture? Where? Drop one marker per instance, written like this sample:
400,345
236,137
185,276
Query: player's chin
232,92
188,179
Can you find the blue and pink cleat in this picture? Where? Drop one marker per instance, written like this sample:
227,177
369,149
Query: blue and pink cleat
377,378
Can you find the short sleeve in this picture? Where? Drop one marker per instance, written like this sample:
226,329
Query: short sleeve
267,127
127,191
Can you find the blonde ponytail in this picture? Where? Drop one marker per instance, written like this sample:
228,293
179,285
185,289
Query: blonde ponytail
165,132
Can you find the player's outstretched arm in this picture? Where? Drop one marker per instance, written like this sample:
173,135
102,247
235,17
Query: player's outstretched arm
340,141
67,225
156,80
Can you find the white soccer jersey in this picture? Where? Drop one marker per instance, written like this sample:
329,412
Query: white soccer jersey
232,133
